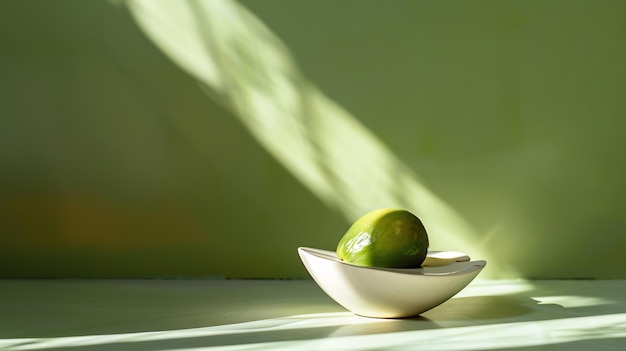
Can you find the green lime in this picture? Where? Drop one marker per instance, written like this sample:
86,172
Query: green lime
388,237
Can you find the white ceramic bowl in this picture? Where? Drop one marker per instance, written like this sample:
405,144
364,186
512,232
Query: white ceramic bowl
388,292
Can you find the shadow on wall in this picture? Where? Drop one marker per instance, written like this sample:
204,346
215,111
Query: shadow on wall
246,68
114,163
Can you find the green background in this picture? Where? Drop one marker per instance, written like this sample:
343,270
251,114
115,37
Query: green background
115,162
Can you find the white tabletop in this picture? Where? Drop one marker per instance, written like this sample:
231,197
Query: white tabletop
218,314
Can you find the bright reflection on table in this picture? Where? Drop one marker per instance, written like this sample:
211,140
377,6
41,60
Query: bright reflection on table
383,335
489,315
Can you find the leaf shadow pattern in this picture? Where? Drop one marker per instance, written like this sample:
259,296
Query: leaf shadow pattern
242,65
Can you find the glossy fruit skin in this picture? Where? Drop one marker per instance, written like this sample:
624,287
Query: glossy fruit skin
388,238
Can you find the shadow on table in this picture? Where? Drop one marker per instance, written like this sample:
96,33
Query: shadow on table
553,313
325,327
481,308
609,344
270,332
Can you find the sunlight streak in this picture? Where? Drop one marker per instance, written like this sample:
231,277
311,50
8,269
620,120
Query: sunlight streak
573,301
242,64
484,337
316,320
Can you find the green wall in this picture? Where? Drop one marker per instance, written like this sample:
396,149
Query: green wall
115,161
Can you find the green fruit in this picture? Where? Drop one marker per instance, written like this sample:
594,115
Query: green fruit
389,238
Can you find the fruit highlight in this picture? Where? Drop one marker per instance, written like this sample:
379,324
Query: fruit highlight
387,238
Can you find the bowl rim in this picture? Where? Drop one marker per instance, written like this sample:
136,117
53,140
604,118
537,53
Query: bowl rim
453,269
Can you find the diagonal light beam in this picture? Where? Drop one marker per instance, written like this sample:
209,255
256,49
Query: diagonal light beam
247,68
